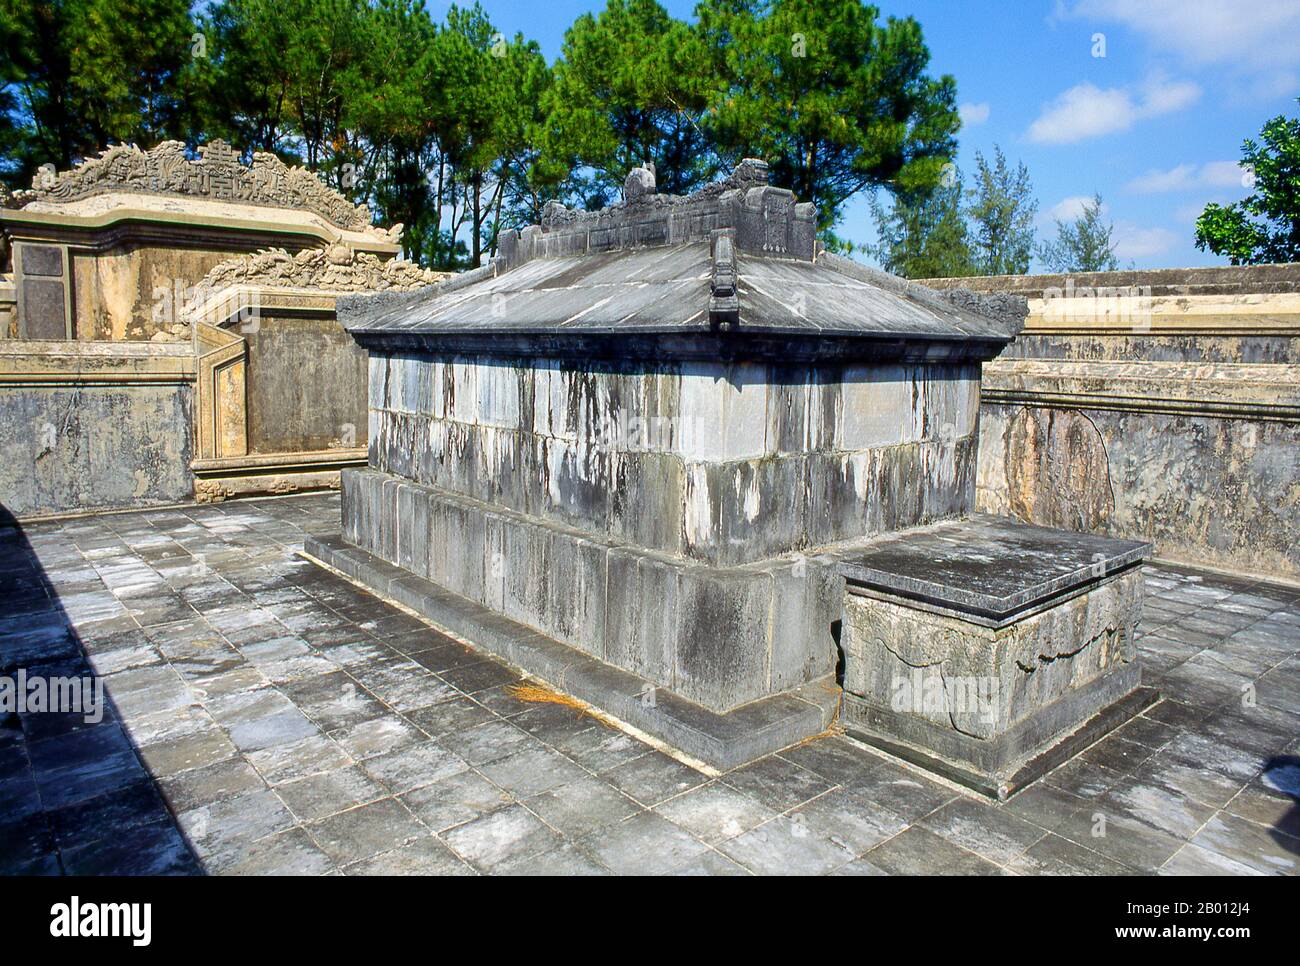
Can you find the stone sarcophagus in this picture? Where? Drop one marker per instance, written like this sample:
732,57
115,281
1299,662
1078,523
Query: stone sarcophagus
644,438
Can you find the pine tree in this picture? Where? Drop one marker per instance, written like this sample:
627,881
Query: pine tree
1081,245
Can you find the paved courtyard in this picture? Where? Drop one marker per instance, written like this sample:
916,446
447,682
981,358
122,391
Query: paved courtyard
269,717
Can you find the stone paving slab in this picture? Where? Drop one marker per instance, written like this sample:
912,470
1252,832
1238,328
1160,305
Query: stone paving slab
269,717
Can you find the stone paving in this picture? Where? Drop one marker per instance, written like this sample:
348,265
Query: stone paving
269,717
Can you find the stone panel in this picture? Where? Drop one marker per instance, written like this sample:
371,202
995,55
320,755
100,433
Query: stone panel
44,260
307,387
641,614
44,314
577,598
723,412
723,635
882,406
1058,472
647,507
67,449
807,600
528,572
459,548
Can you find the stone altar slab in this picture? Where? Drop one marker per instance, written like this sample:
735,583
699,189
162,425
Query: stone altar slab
990,650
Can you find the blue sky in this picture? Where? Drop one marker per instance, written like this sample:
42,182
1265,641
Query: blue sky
1155,124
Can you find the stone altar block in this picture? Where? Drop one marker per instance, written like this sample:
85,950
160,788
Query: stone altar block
990,650
628,454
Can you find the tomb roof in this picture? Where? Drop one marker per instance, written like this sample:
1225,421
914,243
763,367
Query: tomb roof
731,270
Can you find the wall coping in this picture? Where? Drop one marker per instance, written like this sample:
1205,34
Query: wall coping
1214,280
121,211
1269,392
35,362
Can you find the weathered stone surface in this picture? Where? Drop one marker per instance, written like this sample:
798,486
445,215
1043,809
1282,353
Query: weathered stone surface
93,426
641,616
983,644
724,636
44,260
734,266
713,635
306,386
43,312
722,463
1058,473
1158,405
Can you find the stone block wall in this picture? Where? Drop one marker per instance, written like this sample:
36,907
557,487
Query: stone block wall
726,464
94,426
1160,406
718,636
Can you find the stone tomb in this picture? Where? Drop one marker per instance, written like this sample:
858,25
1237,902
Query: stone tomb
630,453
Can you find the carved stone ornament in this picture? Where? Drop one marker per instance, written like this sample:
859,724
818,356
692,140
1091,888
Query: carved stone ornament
217,173
763,220
334,269
639,189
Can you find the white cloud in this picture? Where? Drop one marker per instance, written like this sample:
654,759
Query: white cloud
1134,242
1223,174
1087,111
1257,41
972,114
1189,177
1068,209
1180,178
1208,31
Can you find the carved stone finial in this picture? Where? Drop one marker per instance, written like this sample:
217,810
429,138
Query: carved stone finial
640,182
751,171
724,303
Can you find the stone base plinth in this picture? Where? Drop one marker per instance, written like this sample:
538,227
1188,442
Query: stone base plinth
989,650
719,637
721,741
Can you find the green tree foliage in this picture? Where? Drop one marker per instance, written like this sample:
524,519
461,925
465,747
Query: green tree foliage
924,234
836,101
1264,227
80,74
1002,209
630,86
395,123
1081,245
457,131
